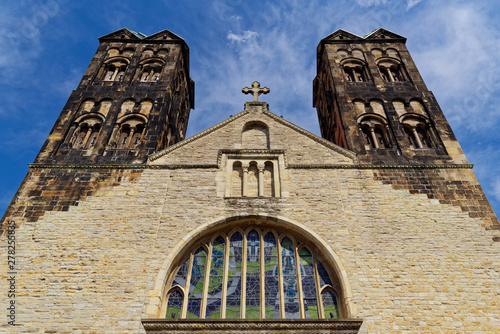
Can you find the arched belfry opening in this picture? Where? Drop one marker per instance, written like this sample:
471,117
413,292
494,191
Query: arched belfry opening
252,268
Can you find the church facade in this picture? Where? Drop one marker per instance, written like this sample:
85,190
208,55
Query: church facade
254,225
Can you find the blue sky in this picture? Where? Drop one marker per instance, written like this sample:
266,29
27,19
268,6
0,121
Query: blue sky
46,46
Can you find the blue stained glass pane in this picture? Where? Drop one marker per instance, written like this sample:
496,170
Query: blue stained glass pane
324,278
271,276
213,308
289,270
174,305
180,277
253,276
330,305
215,284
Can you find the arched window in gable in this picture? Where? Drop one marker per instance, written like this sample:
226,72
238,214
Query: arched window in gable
256,273
255,135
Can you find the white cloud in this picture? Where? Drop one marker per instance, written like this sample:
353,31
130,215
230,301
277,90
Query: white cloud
367,3
246,36
412,3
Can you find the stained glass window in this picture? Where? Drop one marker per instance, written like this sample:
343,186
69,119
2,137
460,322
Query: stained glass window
233,303
253,275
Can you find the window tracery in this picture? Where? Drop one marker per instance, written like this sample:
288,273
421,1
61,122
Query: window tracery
252,274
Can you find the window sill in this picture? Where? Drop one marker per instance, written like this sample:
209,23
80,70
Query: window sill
157,326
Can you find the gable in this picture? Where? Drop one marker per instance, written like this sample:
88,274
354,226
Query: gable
164,35
382,33
122,34
258,132
342,34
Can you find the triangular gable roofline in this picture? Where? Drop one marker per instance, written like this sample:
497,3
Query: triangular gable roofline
374,35
165,32
137,36
128,32
342,32
379,31
324,142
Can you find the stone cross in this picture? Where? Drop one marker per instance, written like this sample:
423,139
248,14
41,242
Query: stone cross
255,90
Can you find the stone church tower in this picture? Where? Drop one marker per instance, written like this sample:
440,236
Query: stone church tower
254,225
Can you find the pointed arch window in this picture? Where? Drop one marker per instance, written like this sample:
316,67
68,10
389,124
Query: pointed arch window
252,274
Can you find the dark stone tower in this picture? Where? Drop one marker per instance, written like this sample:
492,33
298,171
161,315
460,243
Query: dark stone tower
372,100
133,100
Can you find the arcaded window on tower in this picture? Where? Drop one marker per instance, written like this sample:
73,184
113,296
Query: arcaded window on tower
354,71
114,69
419,132
391,70
84,133
150,71
375,132
253,273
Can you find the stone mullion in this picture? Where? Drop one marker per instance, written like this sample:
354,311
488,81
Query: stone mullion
299,281
319,301
245,180
185,300
280,278
276,179
243,278
113,139
260,169
203,305
130,136
225,280
84,142
70,133
374,137
417,137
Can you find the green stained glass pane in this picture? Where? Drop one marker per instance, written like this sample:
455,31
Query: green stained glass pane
174,305
308,283
252,309
271,277
330,305
196,283
234,276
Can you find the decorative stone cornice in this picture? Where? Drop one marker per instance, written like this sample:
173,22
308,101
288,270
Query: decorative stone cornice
160,326
367,166
216,166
